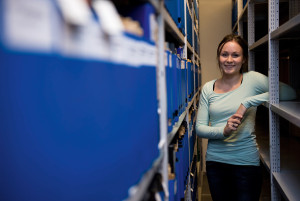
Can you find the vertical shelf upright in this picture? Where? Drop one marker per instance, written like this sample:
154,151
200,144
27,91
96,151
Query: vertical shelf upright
251,35
274,96
277,35
162,91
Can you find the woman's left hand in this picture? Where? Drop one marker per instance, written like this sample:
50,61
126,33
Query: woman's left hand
232,124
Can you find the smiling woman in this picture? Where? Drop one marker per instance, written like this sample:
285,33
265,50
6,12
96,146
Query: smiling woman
226,116
231,58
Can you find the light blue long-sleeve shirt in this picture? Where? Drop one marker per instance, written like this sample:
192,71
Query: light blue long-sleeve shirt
240,148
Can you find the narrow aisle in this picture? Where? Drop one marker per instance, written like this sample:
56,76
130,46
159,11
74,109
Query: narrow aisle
205,196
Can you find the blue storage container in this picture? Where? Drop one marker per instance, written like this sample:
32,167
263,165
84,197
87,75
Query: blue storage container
181,17
172,8
74,129
189,26
175,87
169,80
183,83
144,14
172,190
67,126
189,80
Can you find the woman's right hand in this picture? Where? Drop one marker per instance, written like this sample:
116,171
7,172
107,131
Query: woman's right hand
232,124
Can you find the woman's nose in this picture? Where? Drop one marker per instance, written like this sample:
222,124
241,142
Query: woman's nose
229,59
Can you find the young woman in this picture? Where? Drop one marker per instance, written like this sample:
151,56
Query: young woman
226,116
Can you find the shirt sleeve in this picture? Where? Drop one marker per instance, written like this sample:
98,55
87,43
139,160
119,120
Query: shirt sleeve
261,87
203,129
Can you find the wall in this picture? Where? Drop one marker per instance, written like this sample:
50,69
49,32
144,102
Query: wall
215,23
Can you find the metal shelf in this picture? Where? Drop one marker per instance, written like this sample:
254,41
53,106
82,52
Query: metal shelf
155,3
243,14
137,192
172,28
290,29
181,118
189,47
264,150
288,179
289,183
262,139
285,149
289,110
259,43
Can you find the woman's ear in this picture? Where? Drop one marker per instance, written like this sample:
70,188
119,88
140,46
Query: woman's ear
244,60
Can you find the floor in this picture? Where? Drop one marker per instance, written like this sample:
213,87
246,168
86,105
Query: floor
205,196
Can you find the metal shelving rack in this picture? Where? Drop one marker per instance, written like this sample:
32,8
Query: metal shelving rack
158,172
279,154
160,165
172,29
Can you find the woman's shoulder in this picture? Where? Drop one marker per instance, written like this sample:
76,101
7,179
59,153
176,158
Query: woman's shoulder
208,88
253,75
209,85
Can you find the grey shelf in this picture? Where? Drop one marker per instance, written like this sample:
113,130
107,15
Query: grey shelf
288,179
176,127
244,12
259,43
189,46
289,152
181,118
155,3
136,193
262,139
289,110
289,30
172,28
289,184
264,151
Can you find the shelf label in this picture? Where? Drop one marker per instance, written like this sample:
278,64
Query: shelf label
182,64
27,24
75,12
109,17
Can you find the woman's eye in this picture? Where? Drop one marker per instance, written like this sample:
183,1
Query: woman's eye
224,55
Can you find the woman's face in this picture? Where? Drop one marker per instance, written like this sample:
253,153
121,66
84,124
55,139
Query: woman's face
231,58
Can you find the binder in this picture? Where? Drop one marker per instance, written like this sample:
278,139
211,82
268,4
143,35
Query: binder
172,190
183,80
175,87
173,9
145,15
68,124
189,26
181,17
168,68
190,81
